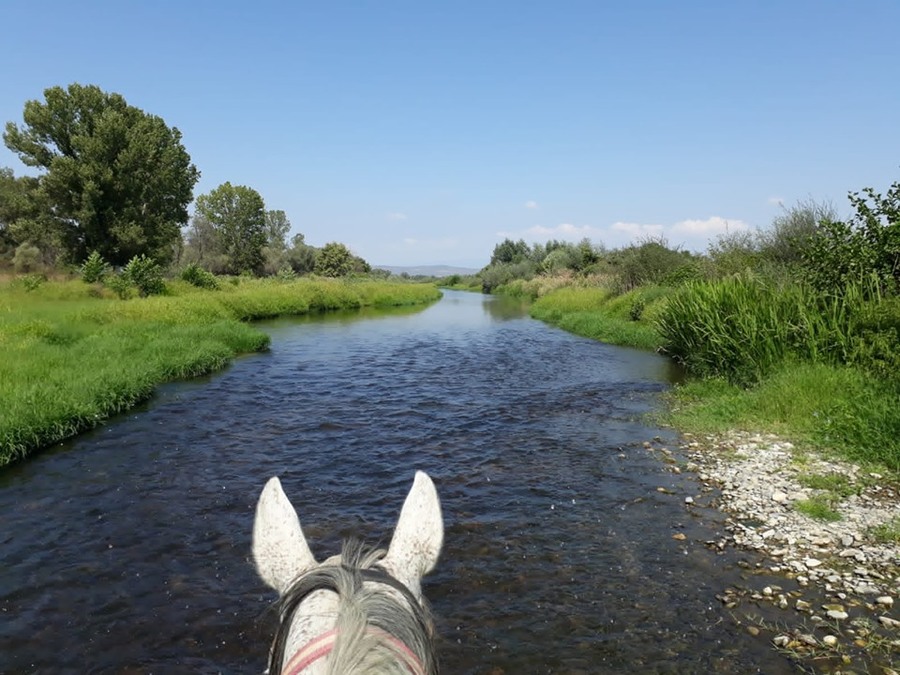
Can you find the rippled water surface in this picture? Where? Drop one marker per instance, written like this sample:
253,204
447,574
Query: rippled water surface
128,549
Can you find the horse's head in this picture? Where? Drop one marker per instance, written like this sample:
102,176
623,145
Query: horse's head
358,612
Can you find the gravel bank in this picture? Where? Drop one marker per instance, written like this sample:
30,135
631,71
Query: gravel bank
841,583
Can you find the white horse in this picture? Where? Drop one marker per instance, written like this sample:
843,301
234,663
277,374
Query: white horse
359,612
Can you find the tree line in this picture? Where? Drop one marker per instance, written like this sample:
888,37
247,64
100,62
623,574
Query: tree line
117,182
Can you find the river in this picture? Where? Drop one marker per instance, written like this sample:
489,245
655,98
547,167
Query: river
127,550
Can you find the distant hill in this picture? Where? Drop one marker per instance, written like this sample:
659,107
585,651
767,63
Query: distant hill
427,270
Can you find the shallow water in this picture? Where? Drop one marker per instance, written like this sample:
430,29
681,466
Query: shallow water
127,550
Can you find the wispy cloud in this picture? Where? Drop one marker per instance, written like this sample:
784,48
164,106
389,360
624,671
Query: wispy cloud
775,201
692,234
396,216
531,204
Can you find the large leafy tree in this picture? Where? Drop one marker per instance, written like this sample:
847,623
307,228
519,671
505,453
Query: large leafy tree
238,215
117,180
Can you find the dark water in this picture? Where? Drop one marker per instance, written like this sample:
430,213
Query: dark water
127,550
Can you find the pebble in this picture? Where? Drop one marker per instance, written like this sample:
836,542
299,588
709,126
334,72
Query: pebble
758,481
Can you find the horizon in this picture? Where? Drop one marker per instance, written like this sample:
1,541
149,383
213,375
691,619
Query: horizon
422,135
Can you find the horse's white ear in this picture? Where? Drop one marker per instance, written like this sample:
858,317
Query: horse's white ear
419,535
280,550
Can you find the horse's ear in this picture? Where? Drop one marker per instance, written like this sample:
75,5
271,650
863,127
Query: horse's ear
280,550
417,540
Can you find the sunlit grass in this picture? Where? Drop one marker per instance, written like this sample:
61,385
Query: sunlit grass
74,355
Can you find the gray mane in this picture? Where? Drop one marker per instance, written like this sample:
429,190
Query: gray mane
356,651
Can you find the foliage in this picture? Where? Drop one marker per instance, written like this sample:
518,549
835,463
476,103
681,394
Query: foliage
510,252
498,274
80,358
888,532
94,268
145,274
237,215
649,262
199,277
27,258
203,246
334,260
277,227
300,256
119,284
788,238
31,282
116,180
286,274
818,507
840,252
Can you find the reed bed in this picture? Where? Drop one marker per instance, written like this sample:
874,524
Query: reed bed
73,355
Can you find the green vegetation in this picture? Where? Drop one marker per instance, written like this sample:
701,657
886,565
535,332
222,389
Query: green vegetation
793,330
818,507
888,532
78,355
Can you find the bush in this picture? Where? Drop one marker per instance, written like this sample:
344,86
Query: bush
199,277
845,252
145,274
94,268
120,285
27,258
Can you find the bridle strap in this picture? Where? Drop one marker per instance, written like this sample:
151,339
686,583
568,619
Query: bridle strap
323,645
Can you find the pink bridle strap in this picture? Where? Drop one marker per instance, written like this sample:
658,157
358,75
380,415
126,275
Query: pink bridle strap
324,644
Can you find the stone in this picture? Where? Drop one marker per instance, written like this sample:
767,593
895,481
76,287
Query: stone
885,600
830,640
837,615
779,496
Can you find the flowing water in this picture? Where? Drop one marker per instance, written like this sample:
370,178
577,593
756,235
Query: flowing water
127,550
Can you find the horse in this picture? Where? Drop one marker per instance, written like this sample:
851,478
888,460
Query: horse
358,612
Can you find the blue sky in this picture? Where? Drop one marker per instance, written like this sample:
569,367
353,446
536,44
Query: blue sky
426,132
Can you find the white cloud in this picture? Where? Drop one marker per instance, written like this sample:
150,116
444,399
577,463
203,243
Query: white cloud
691,234
531,204
712,226
396,216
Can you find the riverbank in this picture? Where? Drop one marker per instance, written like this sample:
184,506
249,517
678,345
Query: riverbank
821,508
74,354
835,583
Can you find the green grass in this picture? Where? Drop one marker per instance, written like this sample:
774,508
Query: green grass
598,313
776,359
74,355
841,409
818,507
887,533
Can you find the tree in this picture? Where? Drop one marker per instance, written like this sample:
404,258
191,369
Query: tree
117,180
238,215
509,251
25,216
334,260
301,256
277,227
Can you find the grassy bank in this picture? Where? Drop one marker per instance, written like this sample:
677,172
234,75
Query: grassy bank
817,370
73,354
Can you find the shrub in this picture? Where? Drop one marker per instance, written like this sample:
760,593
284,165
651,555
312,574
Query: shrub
120,285
199,277
843,252
94,268
145,274
286,273
27,258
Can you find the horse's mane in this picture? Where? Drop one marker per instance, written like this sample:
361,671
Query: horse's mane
358,650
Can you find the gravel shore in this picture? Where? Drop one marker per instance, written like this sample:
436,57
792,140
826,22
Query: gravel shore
841,580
